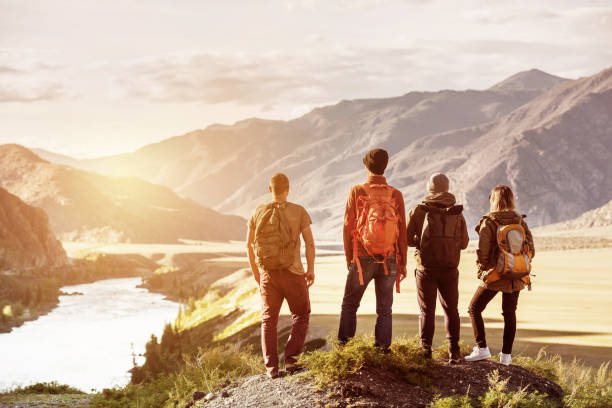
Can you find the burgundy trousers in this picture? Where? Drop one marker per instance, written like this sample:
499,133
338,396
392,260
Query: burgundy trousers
275,286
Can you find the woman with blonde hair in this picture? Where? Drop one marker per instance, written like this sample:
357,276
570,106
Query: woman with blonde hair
503,213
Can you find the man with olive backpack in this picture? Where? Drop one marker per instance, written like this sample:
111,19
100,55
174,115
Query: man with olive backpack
437,229
273,244
375,248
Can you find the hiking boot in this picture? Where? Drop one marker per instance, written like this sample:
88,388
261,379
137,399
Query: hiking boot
479,354
384,350
505,359
455,358
426,353
292,368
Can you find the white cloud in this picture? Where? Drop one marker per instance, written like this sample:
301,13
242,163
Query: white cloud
29,76
29,91
314,77
254,78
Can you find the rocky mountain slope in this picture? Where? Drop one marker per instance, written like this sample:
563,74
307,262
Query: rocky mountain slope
547,137
534,79
26,241
599,217
91,207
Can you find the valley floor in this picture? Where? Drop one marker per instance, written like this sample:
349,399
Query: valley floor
567,312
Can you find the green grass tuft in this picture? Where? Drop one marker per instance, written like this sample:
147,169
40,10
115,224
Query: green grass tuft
498,397
406,358
583,387
455,401
208,371
441,352
542,365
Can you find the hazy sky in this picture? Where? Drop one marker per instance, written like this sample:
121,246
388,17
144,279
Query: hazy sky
88,78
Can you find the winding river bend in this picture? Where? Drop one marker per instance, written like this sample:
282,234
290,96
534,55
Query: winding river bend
88,341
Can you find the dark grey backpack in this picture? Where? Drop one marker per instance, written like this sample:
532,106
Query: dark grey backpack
440,245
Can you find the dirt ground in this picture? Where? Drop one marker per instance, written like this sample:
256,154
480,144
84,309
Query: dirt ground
375,387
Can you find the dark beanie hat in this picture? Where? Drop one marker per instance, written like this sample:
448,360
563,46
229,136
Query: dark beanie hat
376,161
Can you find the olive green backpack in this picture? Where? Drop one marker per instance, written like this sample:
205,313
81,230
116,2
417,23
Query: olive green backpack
274,245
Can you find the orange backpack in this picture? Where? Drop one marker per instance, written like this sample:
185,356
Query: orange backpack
377,226
514,259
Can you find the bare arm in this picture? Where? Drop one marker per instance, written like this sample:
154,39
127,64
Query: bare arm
310,254
251,252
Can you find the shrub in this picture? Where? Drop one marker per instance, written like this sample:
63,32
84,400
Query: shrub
46,388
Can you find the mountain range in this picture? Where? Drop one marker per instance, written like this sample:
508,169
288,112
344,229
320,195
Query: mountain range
599,217
91,207
547,137
26,240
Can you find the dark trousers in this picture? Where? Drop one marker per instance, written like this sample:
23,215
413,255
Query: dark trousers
353,292
481,298
443,284
275,286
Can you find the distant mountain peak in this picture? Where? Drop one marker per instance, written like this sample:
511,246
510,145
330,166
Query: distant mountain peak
14,151
533,79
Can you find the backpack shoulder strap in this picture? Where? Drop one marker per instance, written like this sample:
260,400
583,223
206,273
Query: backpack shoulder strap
267,213
284,224
484,219
420,212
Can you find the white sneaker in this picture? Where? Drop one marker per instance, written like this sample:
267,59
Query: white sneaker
479,354
505,359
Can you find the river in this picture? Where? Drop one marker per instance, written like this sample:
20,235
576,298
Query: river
87,341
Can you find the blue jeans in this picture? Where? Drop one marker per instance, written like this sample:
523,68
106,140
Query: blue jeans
353,292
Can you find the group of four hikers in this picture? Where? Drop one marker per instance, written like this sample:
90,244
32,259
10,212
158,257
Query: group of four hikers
376,237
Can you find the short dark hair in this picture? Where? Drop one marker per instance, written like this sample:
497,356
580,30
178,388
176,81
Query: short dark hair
279,183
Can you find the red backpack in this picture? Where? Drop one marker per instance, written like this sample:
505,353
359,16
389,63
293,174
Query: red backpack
377,226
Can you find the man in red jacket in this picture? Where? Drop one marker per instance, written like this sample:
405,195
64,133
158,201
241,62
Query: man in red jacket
364,265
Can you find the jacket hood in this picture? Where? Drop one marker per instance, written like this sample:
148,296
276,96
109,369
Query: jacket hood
506,217
441,200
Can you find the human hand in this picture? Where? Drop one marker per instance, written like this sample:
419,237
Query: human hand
402,273
310,277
